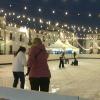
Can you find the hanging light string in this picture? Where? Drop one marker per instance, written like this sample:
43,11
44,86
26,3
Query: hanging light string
23,17
96,44
86,49
47,23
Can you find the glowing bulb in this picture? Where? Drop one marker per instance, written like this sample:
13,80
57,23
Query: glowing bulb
18,16
41,21
66,13
5,14
53,12
48,22
13,13
41,26
33,19
28,19
21,21
25,8
2,11
24,16
9,14
90,15
57,24
39,9
10,5
78,14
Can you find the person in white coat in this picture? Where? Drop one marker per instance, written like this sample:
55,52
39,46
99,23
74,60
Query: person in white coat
18,67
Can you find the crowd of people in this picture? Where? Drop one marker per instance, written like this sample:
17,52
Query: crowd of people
37,66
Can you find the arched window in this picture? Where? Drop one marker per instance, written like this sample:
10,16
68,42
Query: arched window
10,36
10,49
21,37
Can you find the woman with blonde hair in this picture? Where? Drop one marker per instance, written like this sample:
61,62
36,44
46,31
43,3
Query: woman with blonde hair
38,70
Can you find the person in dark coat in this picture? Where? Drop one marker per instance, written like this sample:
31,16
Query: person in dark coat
74,54
61,64
75,62
38,69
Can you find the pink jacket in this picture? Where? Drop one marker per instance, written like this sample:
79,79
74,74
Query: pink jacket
37,62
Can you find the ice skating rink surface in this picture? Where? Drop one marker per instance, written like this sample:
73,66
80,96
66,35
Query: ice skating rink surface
82,80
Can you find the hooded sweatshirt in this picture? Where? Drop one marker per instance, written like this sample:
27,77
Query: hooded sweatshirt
37,62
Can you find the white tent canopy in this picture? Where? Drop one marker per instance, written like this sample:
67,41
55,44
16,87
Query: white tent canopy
72,47
58,44
63,46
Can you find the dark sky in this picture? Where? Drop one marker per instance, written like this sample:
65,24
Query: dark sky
73,7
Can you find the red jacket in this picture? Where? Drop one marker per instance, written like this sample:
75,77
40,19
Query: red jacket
37,62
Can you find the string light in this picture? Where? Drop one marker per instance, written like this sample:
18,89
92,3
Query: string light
2,10
33,19
73,27
78,14
13,13
5,14
40,10
41,21
21,21
66,13
53,11
10,5
25,8
90,15
9,14
24,16
57,24
28,19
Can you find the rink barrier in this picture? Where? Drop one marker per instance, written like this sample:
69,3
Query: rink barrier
19,94
8,59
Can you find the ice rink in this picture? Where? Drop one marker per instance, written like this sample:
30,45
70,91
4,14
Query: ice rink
82,80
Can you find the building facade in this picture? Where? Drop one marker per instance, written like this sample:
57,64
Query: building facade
12,37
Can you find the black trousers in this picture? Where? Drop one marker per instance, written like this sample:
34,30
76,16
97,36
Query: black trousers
19,76
41,84
61,64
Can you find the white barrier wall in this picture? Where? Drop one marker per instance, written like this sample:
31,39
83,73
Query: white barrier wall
6,59
18,94
89,55
9,58
56,56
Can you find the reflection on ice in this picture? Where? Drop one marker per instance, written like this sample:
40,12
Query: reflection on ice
54,90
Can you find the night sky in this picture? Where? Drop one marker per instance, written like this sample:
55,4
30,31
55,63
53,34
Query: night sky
73,7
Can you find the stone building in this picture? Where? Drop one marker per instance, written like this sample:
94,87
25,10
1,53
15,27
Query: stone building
12,37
